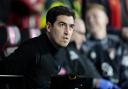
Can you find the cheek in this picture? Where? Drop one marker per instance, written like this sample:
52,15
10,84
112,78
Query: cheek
99,21
80,39
71,33
54,34
58,35
102,22
57,31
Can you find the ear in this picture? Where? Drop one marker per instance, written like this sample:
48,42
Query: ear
107,20
48,26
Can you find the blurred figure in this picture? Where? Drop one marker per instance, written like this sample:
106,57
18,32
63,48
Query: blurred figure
79,34
103,49
80,64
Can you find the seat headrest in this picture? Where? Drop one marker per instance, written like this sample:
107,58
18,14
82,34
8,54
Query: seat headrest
13,35
30,33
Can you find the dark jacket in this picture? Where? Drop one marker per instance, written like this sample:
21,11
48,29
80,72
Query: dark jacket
37,60
106,55
81,65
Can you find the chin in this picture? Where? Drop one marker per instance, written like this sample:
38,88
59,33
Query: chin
64,45
61,45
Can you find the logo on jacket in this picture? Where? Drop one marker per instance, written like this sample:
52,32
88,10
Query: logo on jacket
107,69
73,55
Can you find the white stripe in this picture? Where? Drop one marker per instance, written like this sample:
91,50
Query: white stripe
11,75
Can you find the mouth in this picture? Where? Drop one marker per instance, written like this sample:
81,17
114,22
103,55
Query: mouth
66,39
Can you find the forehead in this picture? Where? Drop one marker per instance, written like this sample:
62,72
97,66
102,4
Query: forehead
95,11
66,19
82,30
80,26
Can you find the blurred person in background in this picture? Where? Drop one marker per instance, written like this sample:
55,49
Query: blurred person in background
82,65
103,49
79,64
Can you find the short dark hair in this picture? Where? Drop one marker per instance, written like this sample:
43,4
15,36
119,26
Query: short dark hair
56,11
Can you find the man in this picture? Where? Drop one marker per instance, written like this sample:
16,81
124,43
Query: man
103,49
80,64
36,58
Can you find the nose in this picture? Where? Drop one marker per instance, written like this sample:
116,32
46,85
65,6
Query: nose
90,19
84,38
66,30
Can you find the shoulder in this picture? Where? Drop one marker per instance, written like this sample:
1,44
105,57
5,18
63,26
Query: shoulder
114,38
88,45
32,45
30,42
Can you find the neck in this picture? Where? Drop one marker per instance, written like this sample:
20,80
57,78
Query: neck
52,42
100,36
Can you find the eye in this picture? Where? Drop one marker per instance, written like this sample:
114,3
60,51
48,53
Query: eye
72,26
62,24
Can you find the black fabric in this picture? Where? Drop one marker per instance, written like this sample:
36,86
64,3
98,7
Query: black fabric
65,82
37,60
106,55
3,36
81,64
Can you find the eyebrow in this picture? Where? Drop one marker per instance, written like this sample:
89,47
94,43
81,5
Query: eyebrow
66,23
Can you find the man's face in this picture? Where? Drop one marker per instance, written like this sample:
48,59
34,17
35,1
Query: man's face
61,31
80,37
96,20
79,33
